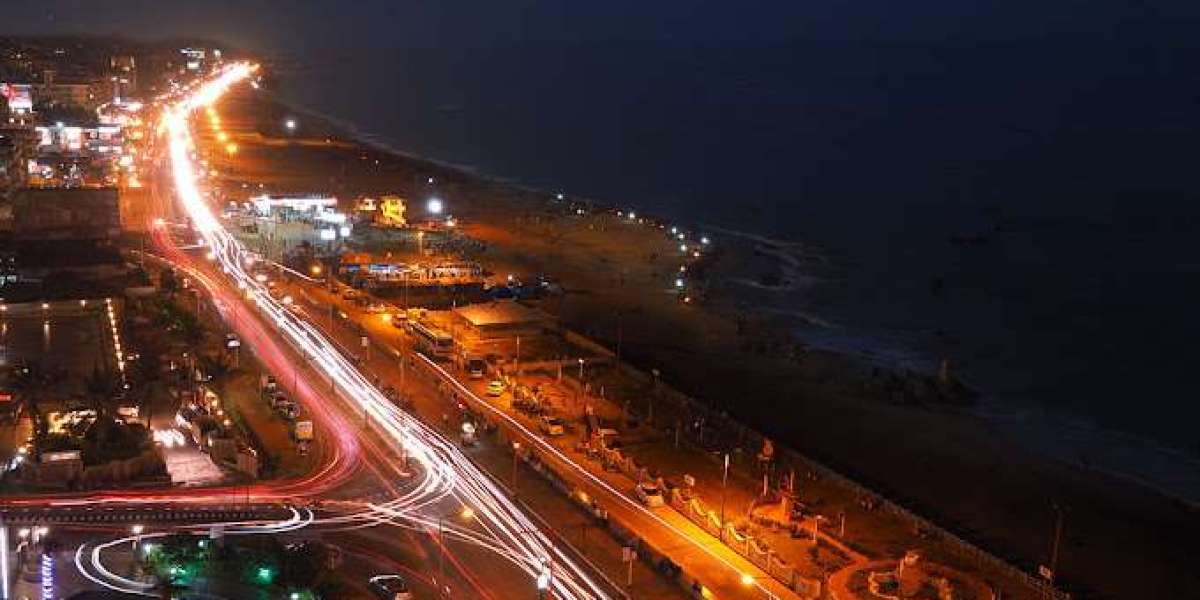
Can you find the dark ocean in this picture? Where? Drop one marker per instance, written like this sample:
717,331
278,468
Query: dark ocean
1031,213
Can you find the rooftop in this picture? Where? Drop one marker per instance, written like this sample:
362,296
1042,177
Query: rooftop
500,313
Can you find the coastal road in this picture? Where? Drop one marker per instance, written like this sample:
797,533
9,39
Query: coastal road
504,529
720,569
485,545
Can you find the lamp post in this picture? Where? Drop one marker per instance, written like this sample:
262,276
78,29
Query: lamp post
441,554
467,513
516,451
1058,529
545,578
579,394
650,416
517,363
137,536
724,480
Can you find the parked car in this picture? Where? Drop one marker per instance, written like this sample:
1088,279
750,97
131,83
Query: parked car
399,320
495,388
476,367
551,425
288,409
390,587
650,494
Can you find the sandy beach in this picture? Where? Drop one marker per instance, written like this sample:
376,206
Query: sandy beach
1121,540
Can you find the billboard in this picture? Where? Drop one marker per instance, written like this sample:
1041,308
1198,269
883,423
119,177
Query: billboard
18,95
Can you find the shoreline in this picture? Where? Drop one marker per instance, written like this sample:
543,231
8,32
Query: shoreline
938,431
873,352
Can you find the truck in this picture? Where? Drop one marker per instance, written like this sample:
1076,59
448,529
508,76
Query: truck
304,431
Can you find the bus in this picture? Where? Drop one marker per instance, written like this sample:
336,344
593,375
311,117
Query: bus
432,342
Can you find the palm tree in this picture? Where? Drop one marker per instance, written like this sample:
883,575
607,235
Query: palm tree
101,386
31,383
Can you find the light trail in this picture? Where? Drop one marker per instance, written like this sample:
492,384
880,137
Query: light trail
447,469
94,570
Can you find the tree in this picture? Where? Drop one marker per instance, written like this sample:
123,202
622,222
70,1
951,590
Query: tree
31,382
101,386
216,366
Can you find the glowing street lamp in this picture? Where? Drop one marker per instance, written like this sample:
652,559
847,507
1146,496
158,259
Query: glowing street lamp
137,535
434,206
544,578
290,124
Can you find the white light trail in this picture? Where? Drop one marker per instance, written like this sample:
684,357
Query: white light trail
447,468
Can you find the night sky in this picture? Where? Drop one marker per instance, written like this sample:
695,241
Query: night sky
304,25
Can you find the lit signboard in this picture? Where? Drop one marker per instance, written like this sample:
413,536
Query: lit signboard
18,95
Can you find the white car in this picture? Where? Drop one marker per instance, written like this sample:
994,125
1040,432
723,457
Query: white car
551,426
390,587
650,494
495,388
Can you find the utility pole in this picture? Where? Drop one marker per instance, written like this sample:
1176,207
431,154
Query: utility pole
724,481
653,395
441,555
619,340
516,450
1058,529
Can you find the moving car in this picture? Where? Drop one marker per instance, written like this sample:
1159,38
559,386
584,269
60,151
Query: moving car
650,494
551,425
495,388
390,587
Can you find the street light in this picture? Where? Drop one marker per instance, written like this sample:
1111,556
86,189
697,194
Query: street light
290,124
434,206
467,514
516,452
545,577
579,393
724,480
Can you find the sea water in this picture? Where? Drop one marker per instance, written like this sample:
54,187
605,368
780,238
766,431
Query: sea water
1030,213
